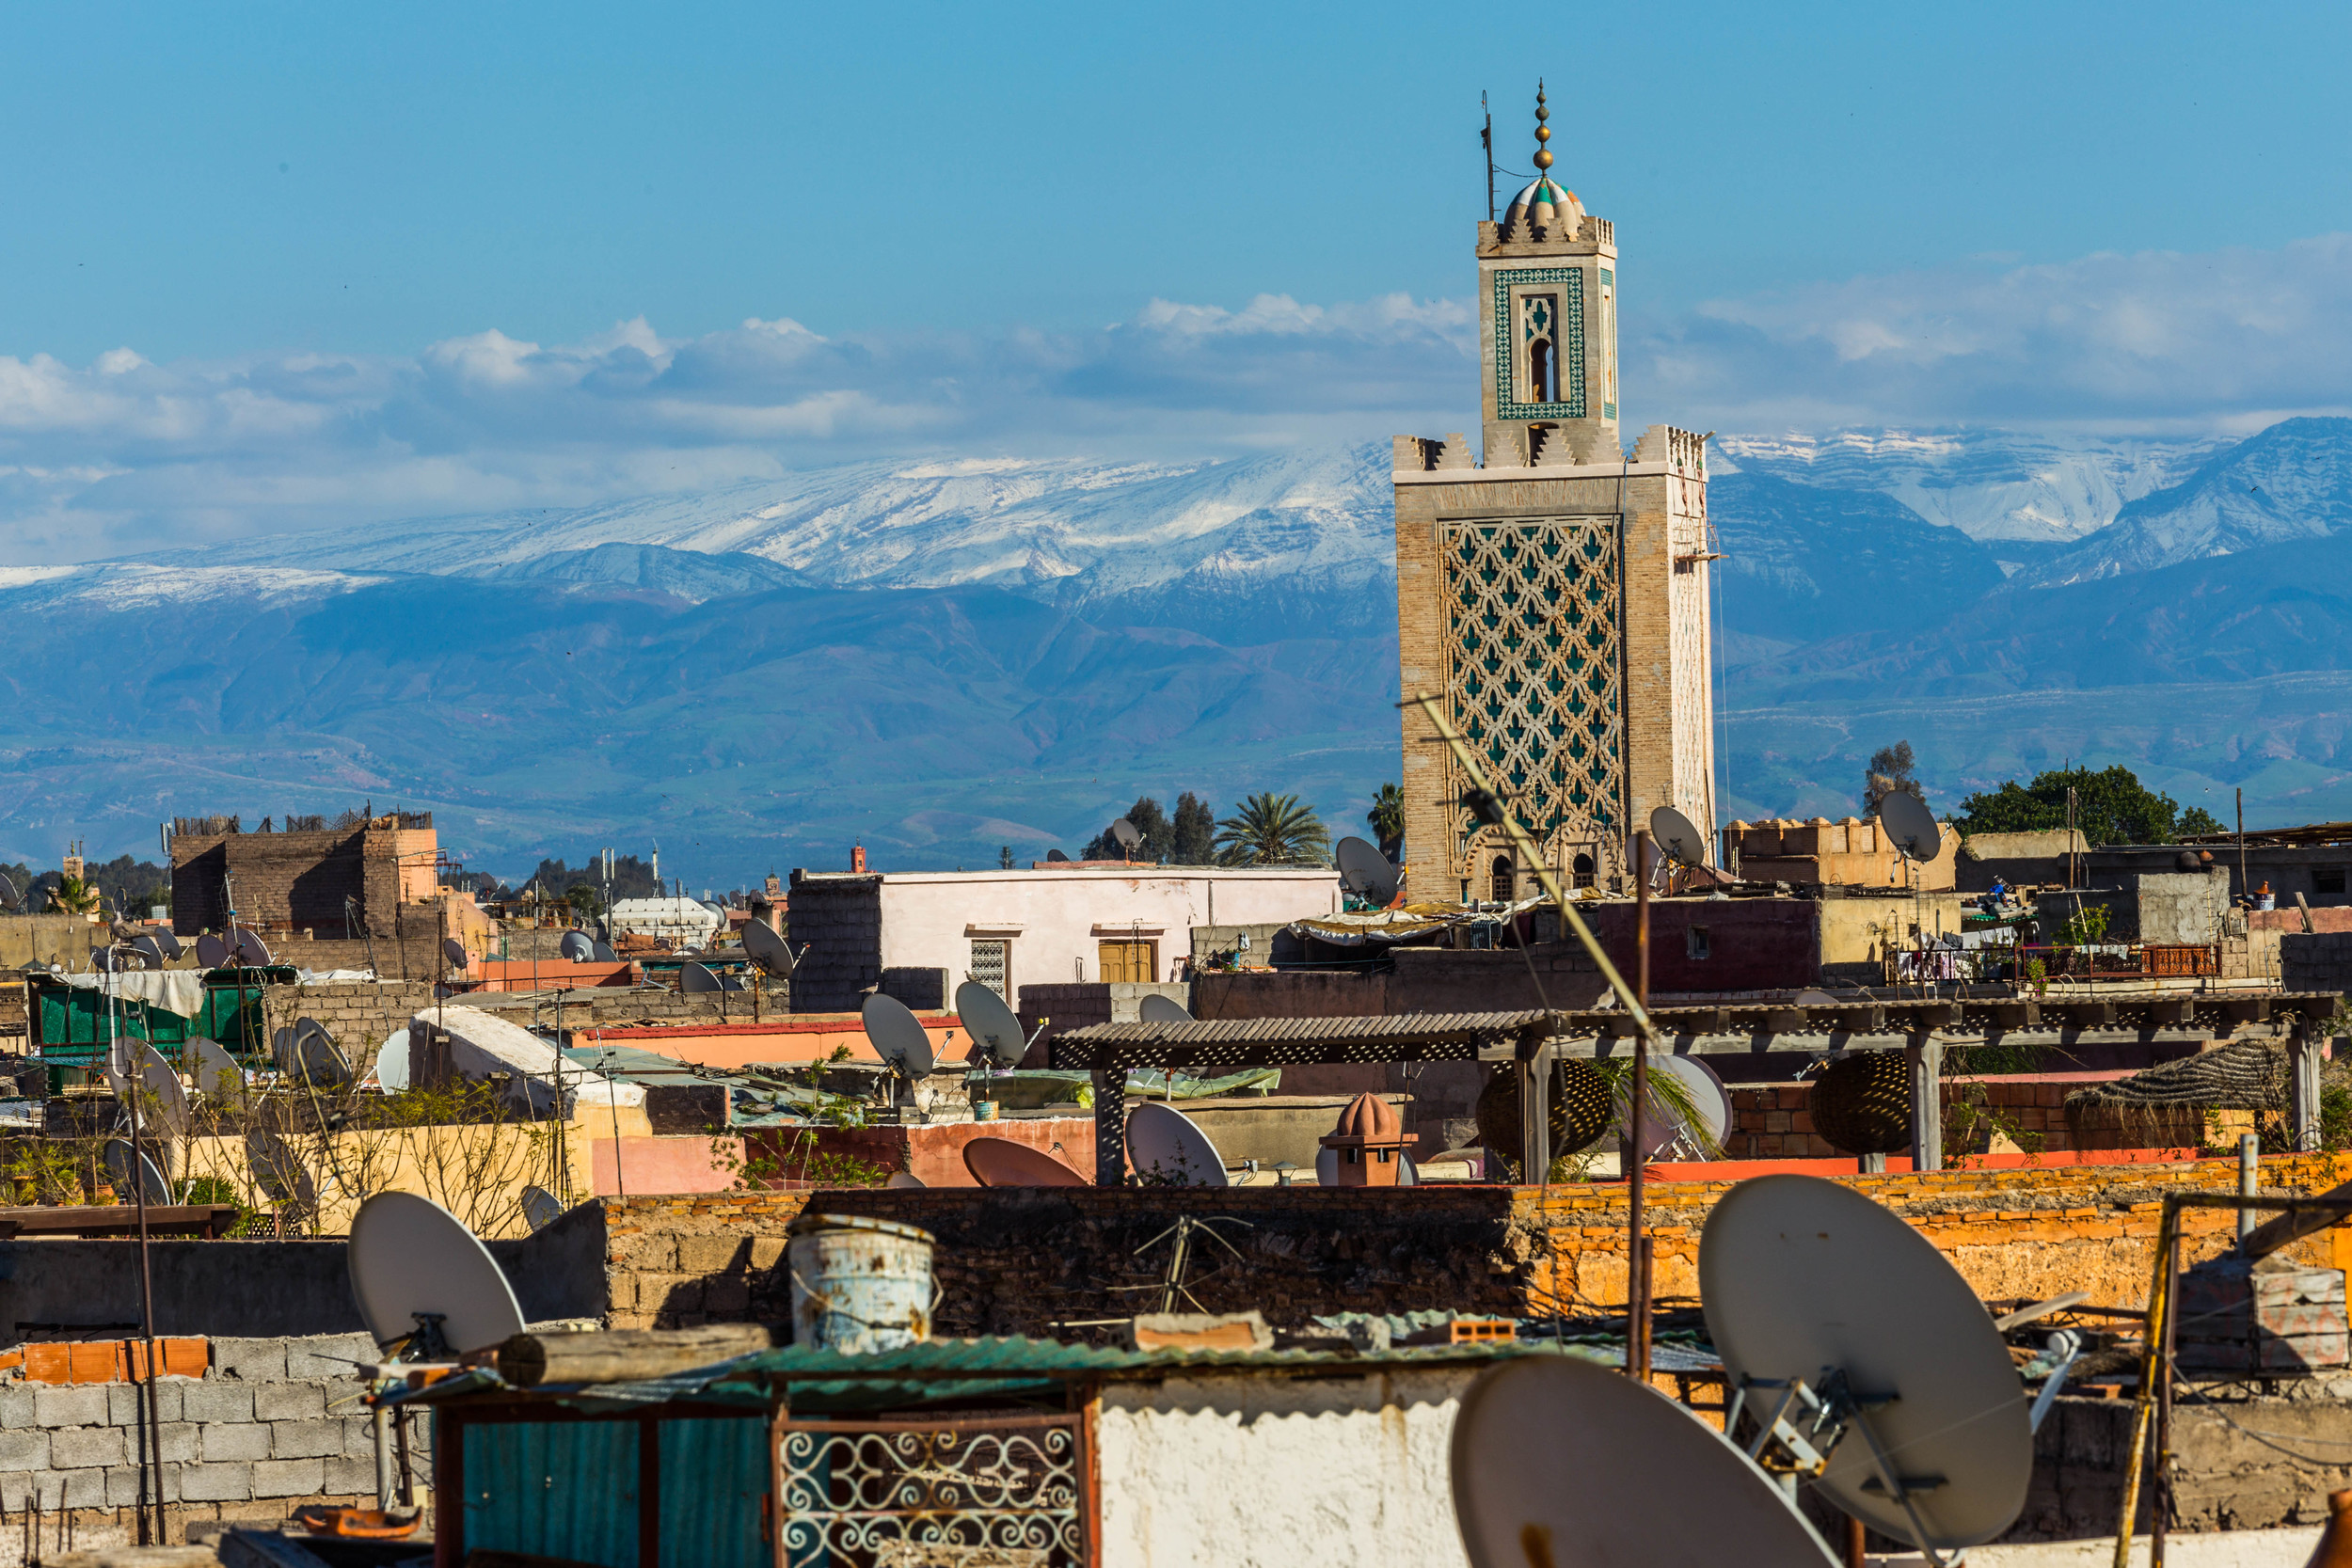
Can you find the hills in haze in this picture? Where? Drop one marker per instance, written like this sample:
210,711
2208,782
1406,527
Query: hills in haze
946,658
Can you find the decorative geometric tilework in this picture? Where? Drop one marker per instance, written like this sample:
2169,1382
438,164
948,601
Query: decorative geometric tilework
1533,649
1609,349
1569,338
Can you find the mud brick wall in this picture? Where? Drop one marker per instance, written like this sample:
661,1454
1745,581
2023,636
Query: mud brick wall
1021,1260
839,919
293,882
1774,1122
359,1014
269,1425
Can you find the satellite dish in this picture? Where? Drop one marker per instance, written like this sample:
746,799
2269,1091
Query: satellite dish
1156,1009
899,1037
905,1178
577,947
150,955
416,1269
1056,855
165,1100
315,1057
392,1062
1408,1173
217,1075
1327,1168
1663,1127
770,952
1678,836
104,962
252,952
694,980
602,953
212,952
1909,826
1165,1143
1366,871
1566,1461
995,1027
280,1171
151,1183
1125,833
9,898
166,942
1002,1163
1802,1279
541,1207
454,951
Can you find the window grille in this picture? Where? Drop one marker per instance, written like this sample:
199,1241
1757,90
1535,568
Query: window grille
1007,1491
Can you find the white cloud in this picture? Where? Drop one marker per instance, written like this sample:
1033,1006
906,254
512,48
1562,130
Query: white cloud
124,454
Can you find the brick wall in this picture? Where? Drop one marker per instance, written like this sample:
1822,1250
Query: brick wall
2319,961
838,918
1774,1122
289,881
269,1425
1021,1260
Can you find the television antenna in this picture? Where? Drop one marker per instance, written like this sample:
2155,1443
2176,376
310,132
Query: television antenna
899,1039
1590,1466
1867,1362
1366,872
1163,1142
425,1284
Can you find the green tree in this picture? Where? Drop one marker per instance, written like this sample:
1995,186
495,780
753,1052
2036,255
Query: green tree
1273,830
1386,817
1892,771
1158,840
2111,806
1195,829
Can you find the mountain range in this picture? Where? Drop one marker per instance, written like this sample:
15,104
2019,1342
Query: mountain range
951,660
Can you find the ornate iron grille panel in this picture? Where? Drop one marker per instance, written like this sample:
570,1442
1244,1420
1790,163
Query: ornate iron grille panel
1535,639
976,1491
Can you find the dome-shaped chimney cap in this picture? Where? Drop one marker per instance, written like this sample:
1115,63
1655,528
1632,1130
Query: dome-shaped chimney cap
1370,1117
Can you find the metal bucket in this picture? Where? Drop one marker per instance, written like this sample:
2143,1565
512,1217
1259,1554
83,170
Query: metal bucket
860,1285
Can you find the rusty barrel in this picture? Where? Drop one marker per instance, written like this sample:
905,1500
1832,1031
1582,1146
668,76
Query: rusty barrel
860,1285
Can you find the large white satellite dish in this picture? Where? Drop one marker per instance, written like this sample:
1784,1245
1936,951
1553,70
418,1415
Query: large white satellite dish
414,1266
1562,1461
898,1037
1156,1009
392,1062
1165,1143
1665,1131
996,1029
1809,1283
770,952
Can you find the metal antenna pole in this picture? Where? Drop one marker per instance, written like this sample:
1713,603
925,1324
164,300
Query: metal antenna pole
151,1461
1487,137
1637,1242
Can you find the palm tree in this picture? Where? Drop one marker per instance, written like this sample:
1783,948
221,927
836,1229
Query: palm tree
1386,817
73,895
1272,830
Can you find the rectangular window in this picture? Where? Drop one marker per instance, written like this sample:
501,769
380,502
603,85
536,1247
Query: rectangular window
1129,962
992,966
2326,878
1694,941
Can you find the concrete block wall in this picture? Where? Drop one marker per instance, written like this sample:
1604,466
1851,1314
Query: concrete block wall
838,918
359,1014
272,1424
2319,961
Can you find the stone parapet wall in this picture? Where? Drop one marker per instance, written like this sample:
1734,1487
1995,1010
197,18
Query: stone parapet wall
269,1425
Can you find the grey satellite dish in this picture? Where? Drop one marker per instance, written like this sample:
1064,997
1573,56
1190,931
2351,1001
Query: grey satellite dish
1580,1461
577,947
252,952
212,952
770,952
167,942
165,1100
9,898
715,908
602,953
693,979
899,1037
1804,1279
151,1183
106,961
1678,836
904,1179
1327,1168
315,1056
280,1171
1909,826
1156,1009
541,1207
1366,871
420,1276
391,1062
281,1048
1163,1141
150,952
1665,1131
996,1028
1056,855
454,951
1125,832
217,1075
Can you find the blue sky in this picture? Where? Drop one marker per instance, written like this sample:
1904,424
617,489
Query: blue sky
272,265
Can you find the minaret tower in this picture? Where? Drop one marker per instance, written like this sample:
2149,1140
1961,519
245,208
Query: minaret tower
1554,593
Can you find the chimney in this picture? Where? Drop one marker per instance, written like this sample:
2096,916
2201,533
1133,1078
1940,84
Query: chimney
1371,1142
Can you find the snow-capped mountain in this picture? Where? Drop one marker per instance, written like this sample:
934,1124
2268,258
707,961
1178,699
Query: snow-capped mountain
1988,484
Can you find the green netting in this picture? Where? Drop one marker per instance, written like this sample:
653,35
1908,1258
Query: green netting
72,1027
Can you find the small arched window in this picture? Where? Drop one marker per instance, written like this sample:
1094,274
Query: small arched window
1581,870
1505,881
1541,377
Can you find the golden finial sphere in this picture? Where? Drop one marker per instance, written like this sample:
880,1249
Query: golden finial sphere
1543,159
1543,133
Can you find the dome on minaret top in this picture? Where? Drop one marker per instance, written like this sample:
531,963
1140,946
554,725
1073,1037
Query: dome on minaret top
1545,204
